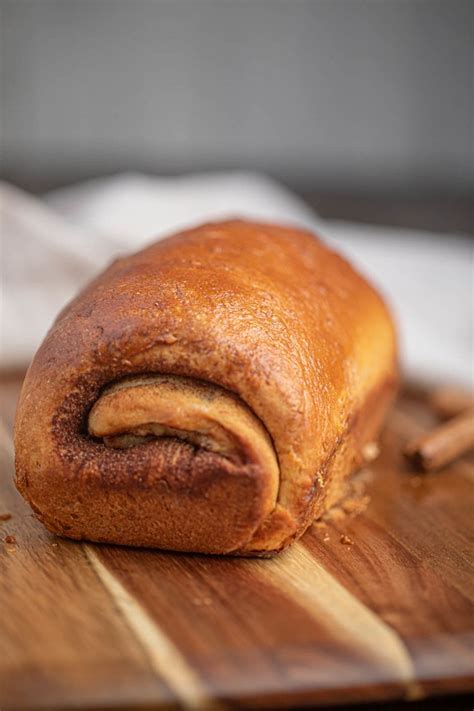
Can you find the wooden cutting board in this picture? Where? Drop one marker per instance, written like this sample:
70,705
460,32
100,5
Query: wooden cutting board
387,616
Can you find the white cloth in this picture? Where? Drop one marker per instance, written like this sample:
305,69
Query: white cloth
51,247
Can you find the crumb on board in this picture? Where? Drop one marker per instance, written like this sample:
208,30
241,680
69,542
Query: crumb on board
345,540
10,539
370,451
5,516
322,529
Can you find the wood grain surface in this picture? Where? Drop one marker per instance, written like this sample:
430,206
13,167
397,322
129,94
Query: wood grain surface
371,607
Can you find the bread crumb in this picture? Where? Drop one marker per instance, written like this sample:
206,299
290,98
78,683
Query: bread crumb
320,480
345,540
370,451
168,338
5,516
10,539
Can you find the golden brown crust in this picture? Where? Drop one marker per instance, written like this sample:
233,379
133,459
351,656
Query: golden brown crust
267,313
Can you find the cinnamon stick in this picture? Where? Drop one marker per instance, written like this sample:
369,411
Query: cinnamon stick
442,445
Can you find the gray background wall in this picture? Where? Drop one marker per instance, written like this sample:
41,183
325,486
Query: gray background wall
358,94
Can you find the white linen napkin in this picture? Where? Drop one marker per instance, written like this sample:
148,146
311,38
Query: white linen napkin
52,246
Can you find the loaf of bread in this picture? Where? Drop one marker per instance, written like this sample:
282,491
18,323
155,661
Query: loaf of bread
212,393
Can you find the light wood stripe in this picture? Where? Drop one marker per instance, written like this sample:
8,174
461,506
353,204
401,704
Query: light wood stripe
164,657
308,583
